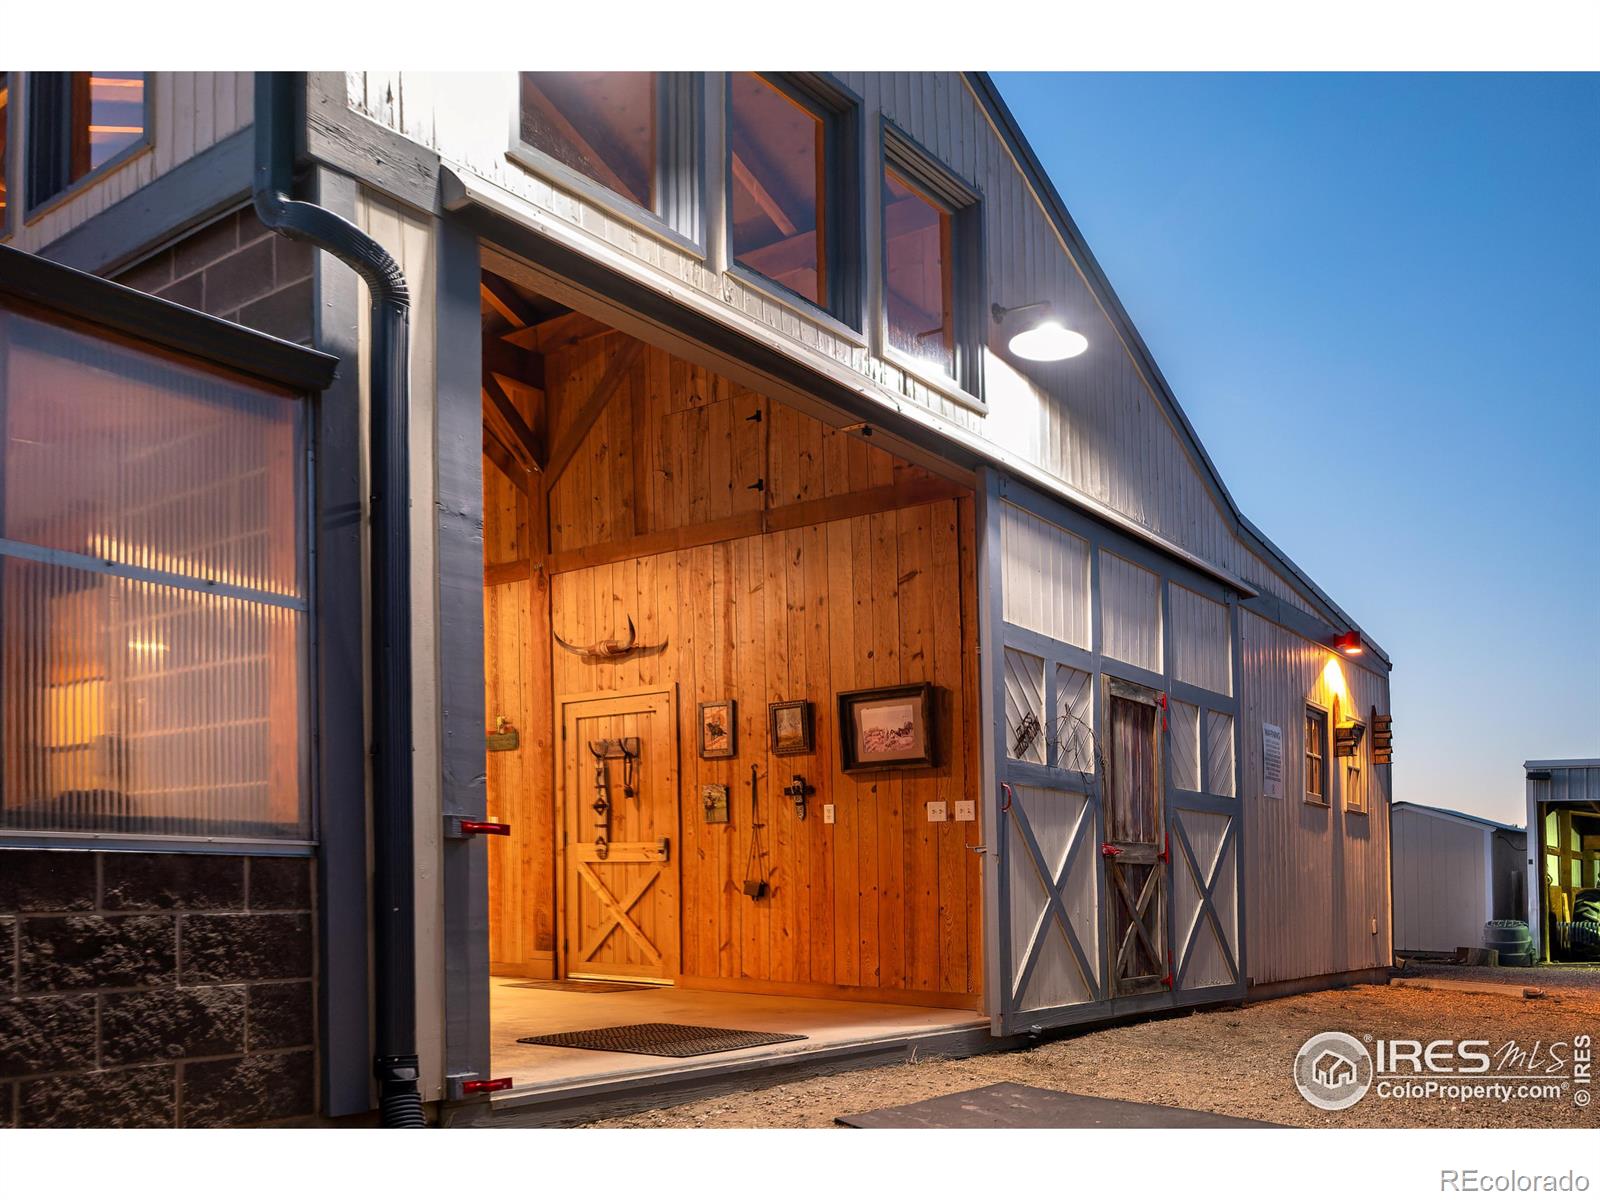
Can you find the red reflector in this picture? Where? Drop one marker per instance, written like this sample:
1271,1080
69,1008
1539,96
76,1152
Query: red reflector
495,827
471,1086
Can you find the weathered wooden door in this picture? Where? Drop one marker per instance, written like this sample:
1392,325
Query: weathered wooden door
620,894
1133,849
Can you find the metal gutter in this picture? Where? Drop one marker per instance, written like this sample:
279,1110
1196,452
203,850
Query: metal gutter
395,1064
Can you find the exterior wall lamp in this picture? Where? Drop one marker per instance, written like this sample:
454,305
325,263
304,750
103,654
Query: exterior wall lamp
1039,335
1349,643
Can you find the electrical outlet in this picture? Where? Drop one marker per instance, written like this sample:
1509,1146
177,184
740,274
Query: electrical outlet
827,814
966,810
936,811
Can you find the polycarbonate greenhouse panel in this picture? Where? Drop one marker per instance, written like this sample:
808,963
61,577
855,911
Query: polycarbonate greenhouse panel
153,582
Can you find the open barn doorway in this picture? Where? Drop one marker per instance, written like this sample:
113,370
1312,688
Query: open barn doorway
692,593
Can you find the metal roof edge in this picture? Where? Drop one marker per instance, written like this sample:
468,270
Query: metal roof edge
1550,764
989,95
78,294
1457,815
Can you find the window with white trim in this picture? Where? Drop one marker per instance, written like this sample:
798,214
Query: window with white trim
153,593
1316,744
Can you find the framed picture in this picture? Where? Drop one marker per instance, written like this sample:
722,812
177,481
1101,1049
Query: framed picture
792,731
883,728
717,729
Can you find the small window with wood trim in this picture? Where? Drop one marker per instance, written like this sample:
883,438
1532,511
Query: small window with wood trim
786,169
1316,735
81,123
1355,787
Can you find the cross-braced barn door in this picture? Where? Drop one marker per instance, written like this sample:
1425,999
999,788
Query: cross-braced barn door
1204,847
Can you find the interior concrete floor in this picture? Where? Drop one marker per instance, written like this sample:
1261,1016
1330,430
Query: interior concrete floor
517,1012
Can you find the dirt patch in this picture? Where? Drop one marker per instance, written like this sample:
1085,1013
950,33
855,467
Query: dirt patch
1233,1061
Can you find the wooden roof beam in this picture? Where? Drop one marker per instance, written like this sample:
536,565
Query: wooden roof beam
499,296
522,437
556,332
590,411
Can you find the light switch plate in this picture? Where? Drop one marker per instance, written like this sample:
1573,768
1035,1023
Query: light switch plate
827,814
966,810
936,810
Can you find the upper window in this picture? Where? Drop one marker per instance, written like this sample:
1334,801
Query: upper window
634,135
930,265
153,577
1316,756
5,126
919,306
602,124
787,166
79,122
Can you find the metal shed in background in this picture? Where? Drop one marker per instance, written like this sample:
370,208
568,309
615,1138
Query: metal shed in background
1564,858
1452,872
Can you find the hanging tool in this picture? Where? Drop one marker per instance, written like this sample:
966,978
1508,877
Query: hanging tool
755,868
602,803
798,791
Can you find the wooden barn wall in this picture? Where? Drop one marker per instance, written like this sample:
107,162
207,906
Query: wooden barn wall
1316,876
190,111
882,899
1092,422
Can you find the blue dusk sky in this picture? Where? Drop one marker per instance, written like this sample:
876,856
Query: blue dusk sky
1377,297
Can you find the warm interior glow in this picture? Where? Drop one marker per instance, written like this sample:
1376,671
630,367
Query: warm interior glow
1049,341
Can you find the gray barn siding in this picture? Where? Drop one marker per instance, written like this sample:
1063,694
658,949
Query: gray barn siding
1316,875
1441,882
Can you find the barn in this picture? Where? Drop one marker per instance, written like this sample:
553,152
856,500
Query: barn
1453,873
755,578
1564,858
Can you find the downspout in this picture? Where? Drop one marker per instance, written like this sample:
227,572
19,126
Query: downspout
394,946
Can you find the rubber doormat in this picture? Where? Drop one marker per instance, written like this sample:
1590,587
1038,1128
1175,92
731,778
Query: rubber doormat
590,986
667,1041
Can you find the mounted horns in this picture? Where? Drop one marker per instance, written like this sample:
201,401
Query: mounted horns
609,648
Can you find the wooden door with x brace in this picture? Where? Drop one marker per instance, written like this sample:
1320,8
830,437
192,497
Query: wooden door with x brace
619,773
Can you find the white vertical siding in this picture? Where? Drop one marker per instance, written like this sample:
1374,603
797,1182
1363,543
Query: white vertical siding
1316,876
1130,612
1202,651
1045,573
1184,746
1441,885
190,111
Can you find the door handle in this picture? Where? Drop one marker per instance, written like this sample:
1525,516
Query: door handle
666,849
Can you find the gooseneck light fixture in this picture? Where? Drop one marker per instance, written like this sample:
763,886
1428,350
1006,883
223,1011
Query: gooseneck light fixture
1037,333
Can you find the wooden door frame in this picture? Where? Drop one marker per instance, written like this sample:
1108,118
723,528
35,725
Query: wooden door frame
1114,686
559,709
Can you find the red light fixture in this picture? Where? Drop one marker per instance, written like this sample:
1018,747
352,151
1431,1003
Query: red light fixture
1349,643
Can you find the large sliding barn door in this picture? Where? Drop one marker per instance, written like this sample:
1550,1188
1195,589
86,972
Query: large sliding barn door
1114,876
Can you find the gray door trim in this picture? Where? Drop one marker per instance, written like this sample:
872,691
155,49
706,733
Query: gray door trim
459,531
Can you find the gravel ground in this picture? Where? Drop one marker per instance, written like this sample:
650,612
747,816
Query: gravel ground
1234,1061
